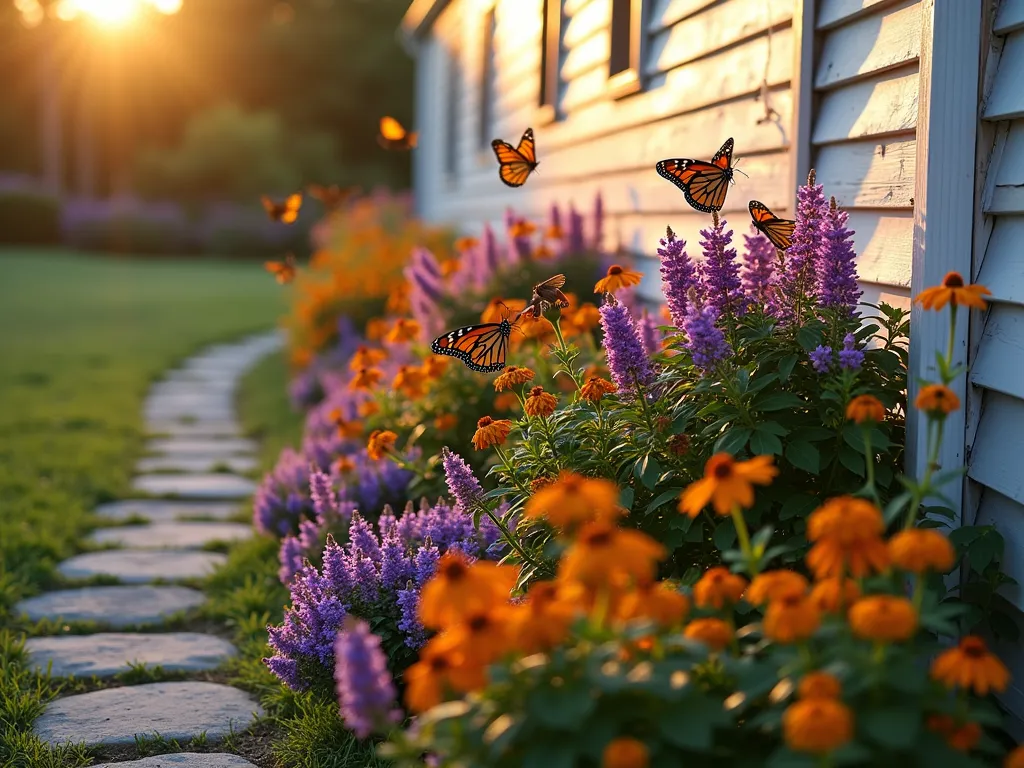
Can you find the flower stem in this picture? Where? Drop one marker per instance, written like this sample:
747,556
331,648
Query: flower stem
743,534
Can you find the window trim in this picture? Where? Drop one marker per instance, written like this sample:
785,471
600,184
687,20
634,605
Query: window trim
488,78
551,51
628,80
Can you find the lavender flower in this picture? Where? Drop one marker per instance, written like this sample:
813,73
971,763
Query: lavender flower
705,341
720,272
628,364
291,557
650,334
598,223
490,250
850,358
758,267
678,275
821,359
797,282
366,692
321,492
408,601
575,242
462,483
837,264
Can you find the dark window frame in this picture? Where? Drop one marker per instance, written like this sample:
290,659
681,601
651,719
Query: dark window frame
488,77
453,88
625,58
550,61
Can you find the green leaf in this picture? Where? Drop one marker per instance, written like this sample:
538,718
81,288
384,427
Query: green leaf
891,727
804,456
762,442
773,427
652,470
691,723
664,497
626,497
786,366
985,549
733,441
896,506
852,460
565,707
724,535
778,401
809,338
811,434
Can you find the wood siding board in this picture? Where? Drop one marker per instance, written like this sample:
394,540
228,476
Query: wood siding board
1006,100
1003,268
1007,516
572,7
883,243
1007,174
999,365
1010,17
883,105
585,89
868,173
665,13
591,54
804,57
998,438
832,13
584,23
875,43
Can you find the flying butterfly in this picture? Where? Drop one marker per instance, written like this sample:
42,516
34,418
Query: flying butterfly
546,294
703,184
283,271
287,211
515,164
481,347
331,197
779,231
394,136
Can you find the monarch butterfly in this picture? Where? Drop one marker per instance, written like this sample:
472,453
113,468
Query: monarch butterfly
331,197
516,165
779,231
704,184
286,212
394,136
283,271
481,347
545,294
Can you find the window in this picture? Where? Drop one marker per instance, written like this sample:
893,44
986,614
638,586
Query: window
487,78
627,37
453,112
551,56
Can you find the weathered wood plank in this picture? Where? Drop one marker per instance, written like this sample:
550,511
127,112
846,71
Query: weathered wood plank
995,455
1006,100
665,13
1003,267
1010,17
1000,361
869,174
875,43
718,27
1007,195
590,54
1007,516
882,105
584,89
587,21
832,13
883,242
571,7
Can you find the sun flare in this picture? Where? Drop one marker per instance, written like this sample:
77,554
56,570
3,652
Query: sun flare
112,13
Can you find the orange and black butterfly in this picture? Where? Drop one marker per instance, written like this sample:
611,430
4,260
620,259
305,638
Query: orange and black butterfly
283,271
545,294
287,211
481,347
515,164
331,197
394,136
779,231
703,184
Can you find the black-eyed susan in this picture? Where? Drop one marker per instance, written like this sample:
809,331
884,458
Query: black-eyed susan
718,587
727,483
460,589
937,400
617,278
865,409
883,618
603,554
953,291
971,666
574,499
381,443
847,536
491,432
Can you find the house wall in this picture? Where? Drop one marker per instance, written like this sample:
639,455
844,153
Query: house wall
710,69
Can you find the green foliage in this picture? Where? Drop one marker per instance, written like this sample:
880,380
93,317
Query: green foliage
29,218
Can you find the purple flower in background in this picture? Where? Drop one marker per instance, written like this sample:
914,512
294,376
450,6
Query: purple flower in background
650,334
598,239
462,483
325,501
292,557
850,358
705,341
366,692
678,275
720,271
797,281
758,267
490,250
575,242
821,359
837,264
628,364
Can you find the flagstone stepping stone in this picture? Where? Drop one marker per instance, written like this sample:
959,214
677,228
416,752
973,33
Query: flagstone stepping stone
185,760
173,710
108,653
196,464
201,446
171,535
190,429
112,606
196,486
199,413
139,566
157,511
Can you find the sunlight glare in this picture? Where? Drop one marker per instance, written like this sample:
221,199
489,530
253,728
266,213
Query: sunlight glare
109,13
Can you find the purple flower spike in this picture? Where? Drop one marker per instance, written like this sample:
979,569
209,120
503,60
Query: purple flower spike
705,341
837,264
720,272
758,267
650,334
575,242
366,691
325,502
850,358
598,239
821,359
462,483
678,275
796,284
628,364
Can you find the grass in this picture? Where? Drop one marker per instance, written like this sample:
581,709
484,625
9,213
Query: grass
83,339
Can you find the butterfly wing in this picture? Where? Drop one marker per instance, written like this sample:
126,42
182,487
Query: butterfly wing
779,231
527,147
391,129
704,185
723,157
283,271
289,210
515,164
272,208
557,281
481,347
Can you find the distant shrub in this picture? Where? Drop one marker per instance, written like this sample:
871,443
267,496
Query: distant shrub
127,225
27,215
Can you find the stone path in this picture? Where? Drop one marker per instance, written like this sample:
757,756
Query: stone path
196,449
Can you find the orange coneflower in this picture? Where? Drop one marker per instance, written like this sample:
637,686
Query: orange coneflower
381,443
574,499
865,409
603,554
727,483
714,633
971,666
491,432
618,277
718,587
460,588
883,618
953,291
540,403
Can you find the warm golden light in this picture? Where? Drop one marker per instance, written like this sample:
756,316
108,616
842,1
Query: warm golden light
109,13
106,13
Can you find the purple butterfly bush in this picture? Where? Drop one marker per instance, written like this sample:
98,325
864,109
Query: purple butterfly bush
426,290
598,238
721,286
366,691
650,335
851,358
628,363
758,268
678,275
797,282
821,358
837,265
705,341
462,483
575,241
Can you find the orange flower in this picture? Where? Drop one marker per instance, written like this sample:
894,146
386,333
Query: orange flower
554,232
831,595
381,443
953,291
596,388
617,278
403,330
773,584
445,422
971,665
301,357
434,366
466,243
398,300
921,549
482,637
512,376
366,357
542,253
657,601
498,308
848,534
625,752
937,400
410,382
376,329
1015,759
428,678
346,427
368,408
791,618
542,621
344,464
366,378
491,432
819,685
534,328
506,401
883,618
450,267
574,499
962,737
714,633
459,589
540,403
603,554
865,409
718,587
817,726
521,228
726,483
580,320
